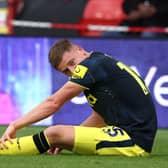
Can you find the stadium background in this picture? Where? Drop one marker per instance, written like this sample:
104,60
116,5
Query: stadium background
26,77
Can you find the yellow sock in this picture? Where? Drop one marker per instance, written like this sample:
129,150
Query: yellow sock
27,145
23,145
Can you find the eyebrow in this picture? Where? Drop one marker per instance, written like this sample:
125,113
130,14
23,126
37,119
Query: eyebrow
64,70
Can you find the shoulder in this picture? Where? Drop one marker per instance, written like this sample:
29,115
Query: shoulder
95,59
99,60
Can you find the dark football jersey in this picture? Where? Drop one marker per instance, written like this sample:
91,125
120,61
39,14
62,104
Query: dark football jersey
119,95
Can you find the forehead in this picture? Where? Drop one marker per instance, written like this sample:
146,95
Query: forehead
66,57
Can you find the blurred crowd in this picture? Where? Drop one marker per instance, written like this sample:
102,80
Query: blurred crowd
146,13
132,13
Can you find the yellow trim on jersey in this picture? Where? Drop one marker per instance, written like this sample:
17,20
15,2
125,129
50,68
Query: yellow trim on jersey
79,85
135,76
79,72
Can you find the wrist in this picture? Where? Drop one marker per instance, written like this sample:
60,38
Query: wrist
13,124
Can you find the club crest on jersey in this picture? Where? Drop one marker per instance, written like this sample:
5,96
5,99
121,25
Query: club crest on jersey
79,72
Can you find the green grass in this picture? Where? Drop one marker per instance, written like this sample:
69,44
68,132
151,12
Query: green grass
158,159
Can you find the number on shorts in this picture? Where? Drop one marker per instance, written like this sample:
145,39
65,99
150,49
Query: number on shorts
114,131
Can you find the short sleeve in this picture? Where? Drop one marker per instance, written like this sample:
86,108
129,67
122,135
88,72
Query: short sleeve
82,76
88,73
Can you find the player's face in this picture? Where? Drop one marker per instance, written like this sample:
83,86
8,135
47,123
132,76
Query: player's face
71,59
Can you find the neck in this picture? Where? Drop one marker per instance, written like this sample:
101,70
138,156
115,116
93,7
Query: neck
88,54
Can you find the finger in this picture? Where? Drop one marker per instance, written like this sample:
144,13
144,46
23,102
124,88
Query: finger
0,145
3,144
9,139
57,151
4,140
51,151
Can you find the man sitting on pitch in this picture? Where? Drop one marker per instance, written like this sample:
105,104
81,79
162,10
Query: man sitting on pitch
123,121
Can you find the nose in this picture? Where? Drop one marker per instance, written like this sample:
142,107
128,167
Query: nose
71,69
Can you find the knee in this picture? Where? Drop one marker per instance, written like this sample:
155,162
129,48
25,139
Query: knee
54,135
54,131
60,136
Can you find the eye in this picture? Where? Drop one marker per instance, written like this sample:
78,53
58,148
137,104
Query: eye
71,63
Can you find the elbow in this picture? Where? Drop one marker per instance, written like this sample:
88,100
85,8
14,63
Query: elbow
53,105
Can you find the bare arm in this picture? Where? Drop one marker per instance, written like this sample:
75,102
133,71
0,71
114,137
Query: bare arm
94,120
49,106
43,110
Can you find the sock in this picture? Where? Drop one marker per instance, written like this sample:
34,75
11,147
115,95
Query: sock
27,145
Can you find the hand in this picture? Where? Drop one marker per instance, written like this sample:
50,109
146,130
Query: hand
142,11
134,15
146,10
7,136
54,151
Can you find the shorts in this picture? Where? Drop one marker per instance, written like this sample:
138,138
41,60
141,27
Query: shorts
110,140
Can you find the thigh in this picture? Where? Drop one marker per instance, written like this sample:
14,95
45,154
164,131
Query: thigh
108,140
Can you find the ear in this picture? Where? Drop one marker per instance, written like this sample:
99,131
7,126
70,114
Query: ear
79,48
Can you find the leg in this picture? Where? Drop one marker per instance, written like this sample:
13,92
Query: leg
55,136
60,136
108,140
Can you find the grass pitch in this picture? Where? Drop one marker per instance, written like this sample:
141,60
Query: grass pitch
158,159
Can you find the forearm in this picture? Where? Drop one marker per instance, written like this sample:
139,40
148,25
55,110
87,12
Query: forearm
42,111
49,106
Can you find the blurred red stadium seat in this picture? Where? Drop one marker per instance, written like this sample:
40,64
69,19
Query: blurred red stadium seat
104,12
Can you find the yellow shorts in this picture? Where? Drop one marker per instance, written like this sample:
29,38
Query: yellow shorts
108,140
